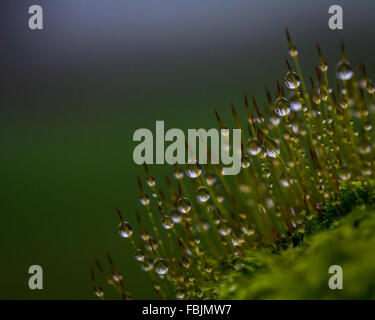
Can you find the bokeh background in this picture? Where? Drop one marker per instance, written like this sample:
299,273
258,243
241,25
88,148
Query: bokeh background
72,95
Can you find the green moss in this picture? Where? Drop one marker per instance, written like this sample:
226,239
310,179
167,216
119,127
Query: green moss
301,272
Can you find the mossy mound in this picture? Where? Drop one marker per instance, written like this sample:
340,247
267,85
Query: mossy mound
343,234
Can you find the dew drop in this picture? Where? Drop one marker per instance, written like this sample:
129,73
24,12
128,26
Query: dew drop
323,67
185,262
316,98
292,80
344,174
367,126
364,148
247,231
224,229
125,229
199,292
370,86
98,292
207,268
254,147
323,94
183,205
145,200
193,170
210,179
282,107
160,267
203,195
167,222
295,104
178,174
344,70
175,215
151,244
147,264
116,277
180,294
139,255
245,162
293,52
150,182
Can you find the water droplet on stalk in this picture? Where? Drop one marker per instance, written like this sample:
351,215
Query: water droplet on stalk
167,222
344,174
344,70
203,195
180,294
150,182
282,106
364,148
254,147
139,255
292,80
193,170
147,264
224,229
160,267
145,200
245,162
183,205
125,229
98,292
175,215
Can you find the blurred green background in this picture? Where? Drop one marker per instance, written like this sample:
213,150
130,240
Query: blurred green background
73,94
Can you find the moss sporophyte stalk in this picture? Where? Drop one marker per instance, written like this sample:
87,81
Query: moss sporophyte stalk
300,152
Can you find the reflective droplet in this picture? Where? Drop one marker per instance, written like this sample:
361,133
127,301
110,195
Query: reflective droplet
180,294
98,292
275,121
178,174
203,195
254,147
367,126
344,174
282,107
207,268
199,292
245,162
224,229
125,229
295,104
316,98
150,182
364,148
116,277
293,52
292,80
147,264
145,200
167,222
193,170
247,231
210,178
151,244
323,94
323,66
185,262
139,255
175,215
183,205
370,86
344,70
160,267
